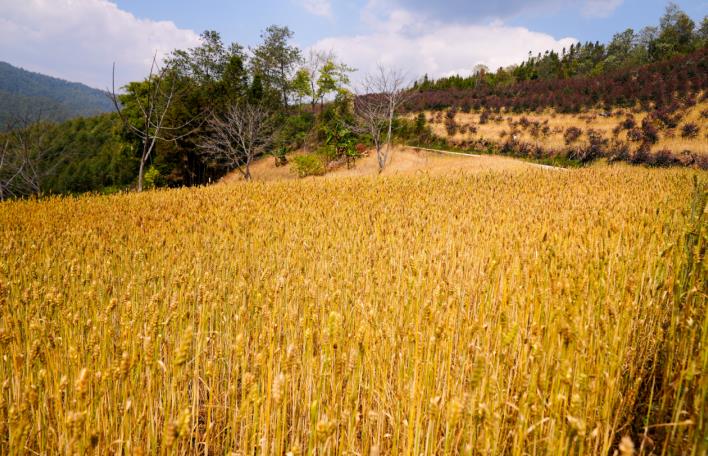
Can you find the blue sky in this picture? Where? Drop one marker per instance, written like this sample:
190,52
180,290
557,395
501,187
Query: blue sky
79,40
242,21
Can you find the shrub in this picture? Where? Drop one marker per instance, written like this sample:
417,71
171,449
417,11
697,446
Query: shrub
628,123
649,131
308,165
618,151
294,130
586,153
690,130
701,162
151,178
641,155
666,117
571,135
327,153
451,126
280,155
420,123
484,117
635,134
663,158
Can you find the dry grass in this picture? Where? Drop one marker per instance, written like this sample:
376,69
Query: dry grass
498,131
488,313
402,161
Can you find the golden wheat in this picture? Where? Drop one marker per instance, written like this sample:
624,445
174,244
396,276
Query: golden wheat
477,314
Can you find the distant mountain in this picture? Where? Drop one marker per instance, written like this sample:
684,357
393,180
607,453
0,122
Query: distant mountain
24,93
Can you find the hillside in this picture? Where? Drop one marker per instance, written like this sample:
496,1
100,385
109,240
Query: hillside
658,138
25,93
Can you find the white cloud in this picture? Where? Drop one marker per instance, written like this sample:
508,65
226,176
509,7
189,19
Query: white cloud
600,8
475,11
418,46
318,7
79,40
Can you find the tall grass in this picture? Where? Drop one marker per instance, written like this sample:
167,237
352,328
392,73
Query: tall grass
536,313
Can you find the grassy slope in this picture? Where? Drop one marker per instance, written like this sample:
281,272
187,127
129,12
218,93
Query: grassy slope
499,131
402,160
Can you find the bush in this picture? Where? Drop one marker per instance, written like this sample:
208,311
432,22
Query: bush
308,165
451,126
628,123
649,131
420,123
484,117
571,135
635,134
280,155
690,130
618,151
294,130
641,155
151,178
666,117
663,158
327,153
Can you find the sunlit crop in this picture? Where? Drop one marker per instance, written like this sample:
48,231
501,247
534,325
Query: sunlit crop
545,312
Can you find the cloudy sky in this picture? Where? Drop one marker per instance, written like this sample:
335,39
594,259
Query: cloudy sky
79,40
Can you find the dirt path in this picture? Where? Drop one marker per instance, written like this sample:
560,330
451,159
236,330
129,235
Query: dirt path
449,152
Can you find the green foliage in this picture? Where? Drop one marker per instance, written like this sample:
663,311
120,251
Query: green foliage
294,130
333,78
327,153
341,139
89,155
280,154
309,165
302,85
420,123
414,131
152,176
275,59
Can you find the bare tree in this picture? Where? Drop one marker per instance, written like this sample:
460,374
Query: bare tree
382,95
153,108
24,157
244,132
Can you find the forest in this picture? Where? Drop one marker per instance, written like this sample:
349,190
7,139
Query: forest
24,93
174,128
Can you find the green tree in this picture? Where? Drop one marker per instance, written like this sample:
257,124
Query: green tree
619,49
676,33
332,79
302,86
275,59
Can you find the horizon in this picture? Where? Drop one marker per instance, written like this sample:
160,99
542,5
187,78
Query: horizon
78,41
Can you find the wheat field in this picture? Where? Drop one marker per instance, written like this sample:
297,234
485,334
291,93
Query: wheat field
522,313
